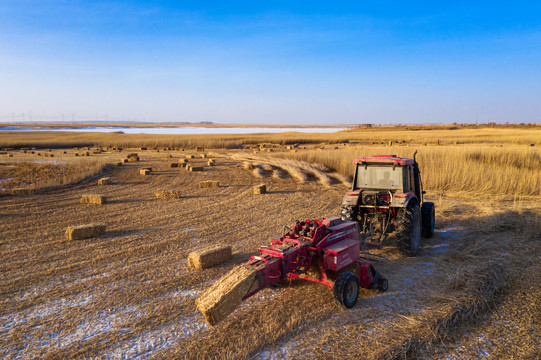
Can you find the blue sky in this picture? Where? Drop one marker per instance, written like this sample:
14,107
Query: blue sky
282,62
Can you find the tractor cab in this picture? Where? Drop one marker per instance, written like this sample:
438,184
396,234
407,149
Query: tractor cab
386,172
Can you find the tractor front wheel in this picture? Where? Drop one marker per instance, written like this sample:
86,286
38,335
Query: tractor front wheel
346,289
408,229
349,213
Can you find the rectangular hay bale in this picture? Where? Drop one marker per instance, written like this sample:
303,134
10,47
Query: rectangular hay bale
260,189
104,181
93,199
144,172
209,184
195,168
189,156
211,162
84,231
207,257
167,194
23,191
226,294
174,165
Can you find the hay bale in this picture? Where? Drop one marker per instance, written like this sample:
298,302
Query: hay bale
260,189
84,231
23,191
183,161
125,160
195,168
190,156
167,156
133,158
146,168
144,172
203,156
207,257
104,181
212,162
3,152
226,294
199,148
167,194
174,165
209,184
93,199
119,164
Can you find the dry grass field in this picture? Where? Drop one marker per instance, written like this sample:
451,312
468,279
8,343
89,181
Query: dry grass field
474,290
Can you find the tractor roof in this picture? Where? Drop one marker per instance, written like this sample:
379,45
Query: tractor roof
386,159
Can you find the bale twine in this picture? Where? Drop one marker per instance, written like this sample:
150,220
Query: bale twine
84,231
209,184
207,257
167,194
104,181
226,294
260,189
23,191
93,199
212,162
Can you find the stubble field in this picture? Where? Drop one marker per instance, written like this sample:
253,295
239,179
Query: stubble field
472,292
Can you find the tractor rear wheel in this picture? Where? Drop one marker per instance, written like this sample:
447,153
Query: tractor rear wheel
408,229
346,289
349,213
428,215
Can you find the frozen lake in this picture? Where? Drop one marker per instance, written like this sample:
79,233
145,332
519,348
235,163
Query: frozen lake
184,130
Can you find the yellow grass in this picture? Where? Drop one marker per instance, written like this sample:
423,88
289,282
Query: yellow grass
473,168
43,175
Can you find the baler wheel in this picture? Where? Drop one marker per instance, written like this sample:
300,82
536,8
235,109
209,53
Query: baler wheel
346,289
383,285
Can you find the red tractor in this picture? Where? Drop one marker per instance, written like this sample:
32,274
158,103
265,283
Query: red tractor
387,195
